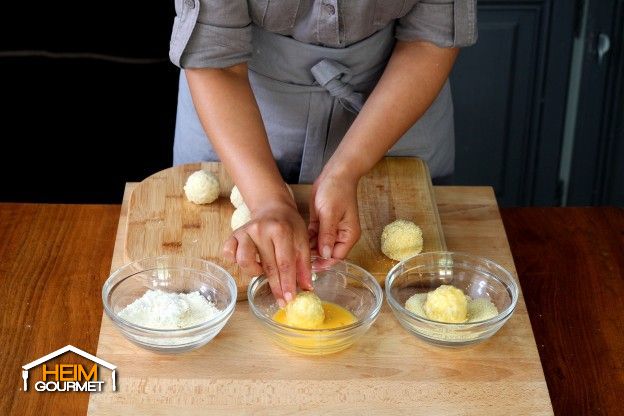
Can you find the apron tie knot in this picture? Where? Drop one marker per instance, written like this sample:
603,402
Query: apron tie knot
334,77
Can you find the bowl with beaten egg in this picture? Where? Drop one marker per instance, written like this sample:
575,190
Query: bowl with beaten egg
345,302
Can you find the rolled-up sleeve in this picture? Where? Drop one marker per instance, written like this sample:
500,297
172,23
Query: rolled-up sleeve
210,33
446,23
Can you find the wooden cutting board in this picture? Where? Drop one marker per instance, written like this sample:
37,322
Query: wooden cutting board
162,221
387,372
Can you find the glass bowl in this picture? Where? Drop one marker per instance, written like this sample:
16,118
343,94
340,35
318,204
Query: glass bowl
339,282
477,277
170,274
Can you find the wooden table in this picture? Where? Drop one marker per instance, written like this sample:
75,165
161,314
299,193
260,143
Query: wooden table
571,267
383,373
54,258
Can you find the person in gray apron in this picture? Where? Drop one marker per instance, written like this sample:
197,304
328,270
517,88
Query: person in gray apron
308,91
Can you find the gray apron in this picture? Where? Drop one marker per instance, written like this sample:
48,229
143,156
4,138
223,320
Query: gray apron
308,97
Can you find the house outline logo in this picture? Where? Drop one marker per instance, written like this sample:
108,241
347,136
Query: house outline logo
26,368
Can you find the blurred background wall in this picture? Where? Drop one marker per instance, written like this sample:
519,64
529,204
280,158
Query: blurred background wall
88,100
88,97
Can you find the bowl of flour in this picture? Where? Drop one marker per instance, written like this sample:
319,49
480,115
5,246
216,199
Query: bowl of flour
169,304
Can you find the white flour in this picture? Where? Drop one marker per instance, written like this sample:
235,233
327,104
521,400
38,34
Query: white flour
163,310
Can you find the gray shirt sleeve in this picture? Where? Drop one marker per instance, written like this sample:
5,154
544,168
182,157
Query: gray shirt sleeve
446,23
210,33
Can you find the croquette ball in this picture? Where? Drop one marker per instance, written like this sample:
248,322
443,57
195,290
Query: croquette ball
305,311
202,187
236,198
240,217
401,239
447,304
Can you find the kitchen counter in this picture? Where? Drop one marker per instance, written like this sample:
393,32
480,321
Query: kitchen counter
570,261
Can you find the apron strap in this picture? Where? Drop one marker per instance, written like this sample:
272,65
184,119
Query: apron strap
334,77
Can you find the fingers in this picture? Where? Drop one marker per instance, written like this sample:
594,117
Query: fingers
269,266
339,234
304,273
278,237
247,255
328,229
348,234
285,259
334,220
322,264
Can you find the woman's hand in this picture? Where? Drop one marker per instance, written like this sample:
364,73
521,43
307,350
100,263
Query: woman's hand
334,220
413,78
274,242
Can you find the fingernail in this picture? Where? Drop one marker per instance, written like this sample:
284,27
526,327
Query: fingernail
281,303
326,252
288,296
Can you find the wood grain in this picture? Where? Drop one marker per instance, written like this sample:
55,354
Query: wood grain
53,262
162,221
387,372
571,264
53,252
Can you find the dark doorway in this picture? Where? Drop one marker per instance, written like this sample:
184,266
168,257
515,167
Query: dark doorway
597,169
510,94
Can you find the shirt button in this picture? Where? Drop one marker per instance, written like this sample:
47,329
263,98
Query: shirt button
190,3
329,9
